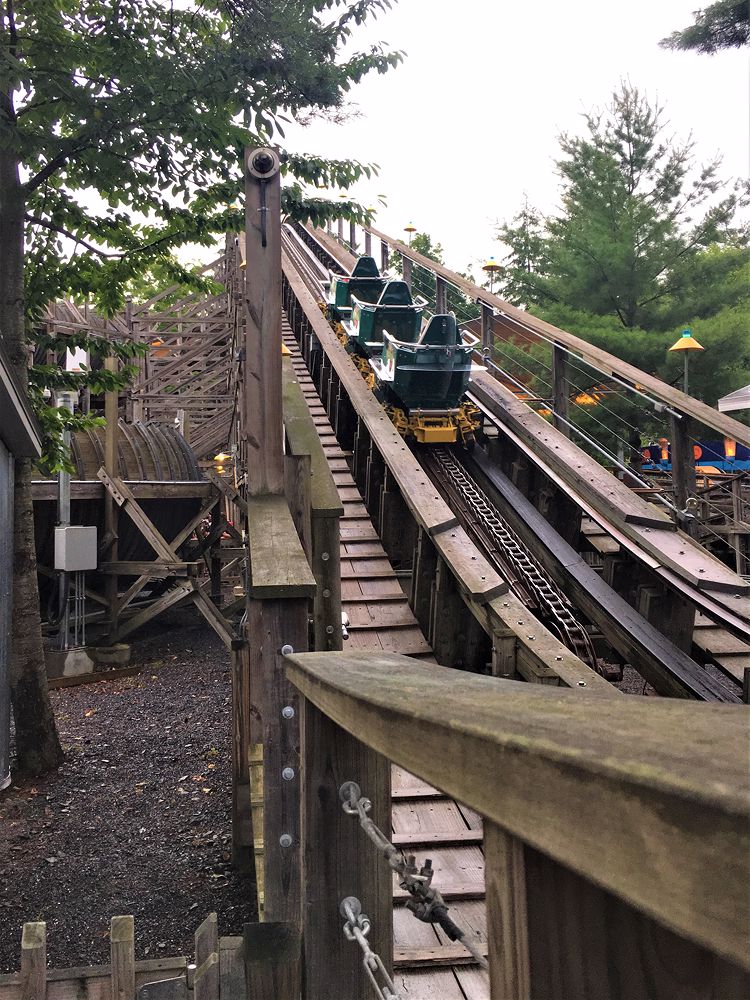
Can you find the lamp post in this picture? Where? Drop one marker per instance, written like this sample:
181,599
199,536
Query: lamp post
491,268
410,229
686,344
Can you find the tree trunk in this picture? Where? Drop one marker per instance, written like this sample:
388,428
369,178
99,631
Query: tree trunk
37,745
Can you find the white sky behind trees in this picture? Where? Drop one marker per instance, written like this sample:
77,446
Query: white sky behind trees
468,124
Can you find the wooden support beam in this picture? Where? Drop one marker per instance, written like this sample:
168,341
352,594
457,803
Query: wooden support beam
424,569
383,256
326,565
560,389
683,470
446,611
206,975
243,857
261,426
122,957
353,237
507,919
368,242
339,859
406,265
34,961
111,514
158,569
272,954
275,625
488,327
441,295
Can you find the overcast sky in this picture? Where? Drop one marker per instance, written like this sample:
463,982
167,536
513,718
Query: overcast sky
468,123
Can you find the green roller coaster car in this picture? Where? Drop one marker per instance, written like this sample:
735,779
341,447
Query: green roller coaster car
430,373
365,282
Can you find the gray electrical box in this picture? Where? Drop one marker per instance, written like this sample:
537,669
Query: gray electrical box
75,548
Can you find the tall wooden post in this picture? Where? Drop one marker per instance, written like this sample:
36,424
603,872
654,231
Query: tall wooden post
383,255
368,242
111,464
280,580
683,469
488,327
352,236
560,390
406,264
340,230
262,416
441,295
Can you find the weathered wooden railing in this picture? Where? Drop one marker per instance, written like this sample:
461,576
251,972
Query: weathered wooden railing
617,832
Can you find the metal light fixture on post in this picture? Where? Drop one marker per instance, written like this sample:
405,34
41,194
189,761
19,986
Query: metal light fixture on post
491,268
686,343
410,229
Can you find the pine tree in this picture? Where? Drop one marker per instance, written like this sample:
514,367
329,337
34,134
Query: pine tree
723,25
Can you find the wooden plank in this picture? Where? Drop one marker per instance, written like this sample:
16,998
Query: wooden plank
33,979
232,969
158,568
411,958
433,837
506,915
603,781
93,489
278,566
207,972
122,957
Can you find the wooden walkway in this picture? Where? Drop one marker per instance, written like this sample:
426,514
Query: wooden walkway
427,965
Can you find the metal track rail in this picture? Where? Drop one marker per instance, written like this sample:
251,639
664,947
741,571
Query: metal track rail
528,578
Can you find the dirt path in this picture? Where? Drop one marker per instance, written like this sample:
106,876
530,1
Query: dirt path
138,818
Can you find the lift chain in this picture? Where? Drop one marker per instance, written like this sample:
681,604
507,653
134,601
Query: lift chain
356,928
426,903
549,598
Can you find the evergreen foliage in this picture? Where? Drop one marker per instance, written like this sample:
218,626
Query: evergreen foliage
723,25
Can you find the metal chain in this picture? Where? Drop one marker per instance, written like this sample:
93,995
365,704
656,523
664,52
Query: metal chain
548,596
426,903
356,928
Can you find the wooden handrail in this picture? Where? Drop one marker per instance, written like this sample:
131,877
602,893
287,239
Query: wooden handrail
600,359
647,799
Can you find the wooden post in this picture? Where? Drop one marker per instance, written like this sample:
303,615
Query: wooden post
683,470
273,625
353,237
243,857
560,389
261,410
206,977
368,243
297,491
488,327
326,566
447,608
383,256
272,952
340,230
122,957
406,266
441,295
507,918
736,537
34,961
423,573
504,651
339,859
111,510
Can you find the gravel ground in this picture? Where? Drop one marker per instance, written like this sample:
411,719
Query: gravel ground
137,820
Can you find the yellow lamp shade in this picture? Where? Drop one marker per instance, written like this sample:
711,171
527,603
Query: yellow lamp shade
730,448
491,265
411,228
687,342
